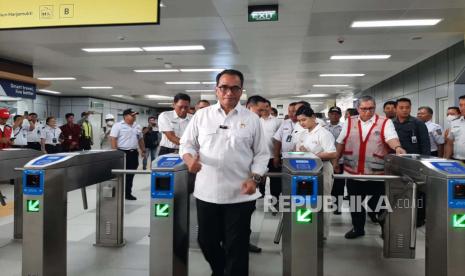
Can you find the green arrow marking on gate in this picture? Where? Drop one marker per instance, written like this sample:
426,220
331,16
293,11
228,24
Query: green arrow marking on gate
162,210
304,216
33,205
458,220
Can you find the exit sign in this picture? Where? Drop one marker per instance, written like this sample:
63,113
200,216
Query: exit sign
458,220
162,210
263,13
304,216
32,205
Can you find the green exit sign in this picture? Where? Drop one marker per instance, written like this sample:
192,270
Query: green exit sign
458,220
303,216
162,210
263,13
32,205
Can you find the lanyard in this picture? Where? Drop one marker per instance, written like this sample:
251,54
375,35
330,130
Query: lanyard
19,131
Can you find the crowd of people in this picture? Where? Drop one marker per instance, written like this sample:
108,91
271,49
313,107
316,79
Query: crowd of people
228,148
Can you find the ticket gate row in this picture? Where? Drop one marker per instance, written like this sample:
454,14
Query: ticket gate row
9,160
46,182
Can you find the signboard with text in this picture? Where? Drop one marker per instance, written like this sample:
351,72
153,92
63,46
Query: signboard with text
17,89
68,13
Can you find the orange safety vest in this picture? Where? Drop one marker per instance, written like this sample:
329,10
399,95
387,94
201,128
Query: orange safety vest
365,156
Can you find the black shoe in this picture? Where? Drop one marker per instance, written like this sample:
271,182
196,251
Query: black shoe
337,212
352,234
130,197
254,248
373,217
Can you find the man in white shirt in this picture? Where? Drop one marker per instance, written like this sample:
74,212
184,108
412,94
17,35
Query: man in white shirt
365,155
283,136
456,139
173,123
225,145
33,135
127,136
19,134
436,135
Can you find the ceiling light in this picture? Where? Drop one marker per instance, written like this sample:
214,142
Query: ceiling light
49,91
165,103
118,96
330,85
174,48
182,82
109,50
59,78
209,82
395,23
158,97
162,5
361,57
156,70
342,75
96,87
199,90
313,96
202,70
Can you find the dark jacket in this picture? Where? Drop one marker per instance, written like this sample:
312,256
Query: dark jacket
151,139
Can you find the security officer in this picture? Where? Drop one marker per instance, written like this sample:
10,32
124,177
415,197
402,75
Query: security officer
335,127
5,130
173,123
71,134
456,140
50,137
413,133
19,135
363,142
127,136
283,137
87,136
224,144
436,135
33,134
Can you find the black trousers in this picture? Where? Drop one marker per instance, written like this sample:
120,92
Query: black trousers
338,188
165,150
132,162
50,149
85,144
363,189
224,236
34,145
434,153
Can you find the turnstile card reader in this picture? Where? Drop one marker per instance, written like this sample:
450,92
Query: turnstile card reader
47,181
10,159
444,184
303,223
169,217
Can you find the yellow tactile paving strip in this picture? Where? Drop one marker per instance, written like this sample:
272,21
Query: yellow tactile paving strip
7,210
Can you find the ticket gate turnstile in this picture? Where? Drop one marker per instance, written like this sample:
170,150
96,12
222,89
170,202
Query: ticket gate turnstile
444,183
47,181
302,237
169,217
9,160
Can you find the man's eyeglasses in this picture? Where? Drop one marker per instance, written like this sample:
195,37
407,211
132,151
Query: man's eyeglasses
234,89
369,109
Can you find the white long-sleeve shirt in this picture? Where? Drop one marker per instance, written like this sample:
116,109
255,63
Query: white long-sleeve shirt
231,148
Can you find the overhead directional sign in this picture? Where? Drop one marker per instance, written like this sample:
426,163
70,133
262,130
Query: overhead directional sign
32,205
458,220
65,13
263,13
162,210
304,216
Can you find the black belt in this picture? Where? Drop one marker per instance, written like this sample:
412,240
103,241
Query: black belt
131,150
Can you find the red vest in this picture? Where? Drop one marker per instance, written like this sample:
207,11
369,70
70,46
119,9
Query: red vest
365,156
6,133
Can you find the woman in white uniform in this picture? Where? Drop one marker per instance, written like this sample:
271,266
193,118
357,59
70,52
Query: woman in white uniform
50,137
319,141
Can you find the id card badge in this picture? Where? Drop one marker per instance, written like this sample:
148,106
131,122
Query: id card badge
414,140
54,140
289,138
70,137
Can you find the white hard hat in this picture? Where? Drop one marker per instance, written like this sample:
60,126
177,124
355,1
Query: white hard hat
109,117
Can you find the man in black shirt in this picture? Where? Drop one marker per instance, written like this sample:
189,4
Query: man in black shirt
413,133
414,138
151,140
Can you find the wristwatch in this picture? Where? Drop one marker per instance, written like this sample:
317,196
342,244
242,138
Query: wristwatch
257,178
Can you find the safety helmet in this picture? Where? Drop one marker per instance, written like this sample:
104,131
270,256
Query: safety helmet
4,113
109,117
